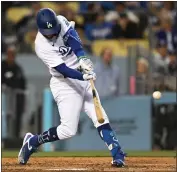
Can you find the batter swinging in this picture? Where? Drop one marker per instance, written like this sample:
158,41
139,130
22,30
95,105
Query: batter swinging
58,45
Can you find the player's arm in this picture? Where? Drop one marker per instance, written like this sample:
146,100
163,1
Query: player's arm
74,74
71,38
49,56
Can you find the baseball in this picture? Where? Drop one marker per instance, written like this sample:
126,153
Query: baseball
157,95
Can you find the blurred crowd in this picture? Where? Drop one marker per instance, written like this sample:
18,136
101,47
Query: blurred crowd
119,20
13,82
94,21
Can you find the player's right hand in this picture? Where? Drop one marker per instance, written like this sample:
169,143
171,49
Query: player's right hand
89,76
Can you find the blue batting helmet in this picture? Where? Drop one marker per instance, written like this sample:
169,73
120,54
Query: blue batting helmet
47,22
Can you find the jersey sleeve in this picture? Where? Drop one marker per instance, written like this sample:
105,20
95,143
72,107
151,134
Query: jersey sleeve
49,56
65,24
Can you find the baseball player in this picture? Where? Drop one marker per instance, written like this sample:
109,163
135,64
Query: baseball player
58,45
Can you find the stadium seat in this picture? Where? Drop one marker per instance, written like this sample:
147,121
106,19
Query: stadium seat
15,14
142,43
99,45
79,19
119,47
74,6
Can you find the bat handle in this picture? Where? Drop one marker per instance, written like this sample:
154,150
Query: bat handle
96,103
93,88
92,84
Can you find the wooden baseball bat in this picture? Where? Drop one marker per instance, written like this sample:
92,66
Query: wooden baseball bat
97,104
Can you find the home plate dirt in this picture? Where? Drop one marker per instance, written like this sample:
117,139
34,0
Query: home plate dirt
134,164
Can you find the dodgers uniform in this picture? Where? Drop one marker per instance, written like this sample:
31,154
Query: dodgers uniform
58,45
72,96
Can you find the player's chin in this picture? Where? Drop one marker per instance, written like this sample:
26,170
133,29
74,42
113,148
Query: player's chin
51,37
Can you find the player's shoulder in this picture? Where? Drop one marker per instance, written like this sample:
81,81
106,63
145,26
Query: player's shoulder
63,21
42,44
61,18
41,41
40,38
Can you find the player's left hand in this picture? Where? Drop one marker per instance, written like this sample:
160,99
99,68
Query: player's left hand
86,65
89,76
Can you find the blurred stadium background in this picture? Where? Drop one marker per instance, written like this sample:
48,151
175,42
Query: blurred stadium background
133,43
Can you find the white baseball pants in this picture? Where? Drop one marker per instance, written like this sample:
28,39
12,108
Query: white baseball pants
73,96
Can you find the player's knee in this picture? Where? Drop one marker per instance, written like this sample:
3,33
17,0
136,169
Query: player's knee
66,131
71,131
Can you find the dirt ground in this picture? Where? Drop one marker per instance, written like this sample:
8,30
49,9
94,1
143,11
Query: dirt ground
134,164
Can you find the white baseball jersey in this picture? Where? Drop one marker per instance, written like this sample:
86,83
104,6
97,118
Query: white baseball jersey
54,53
71,95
